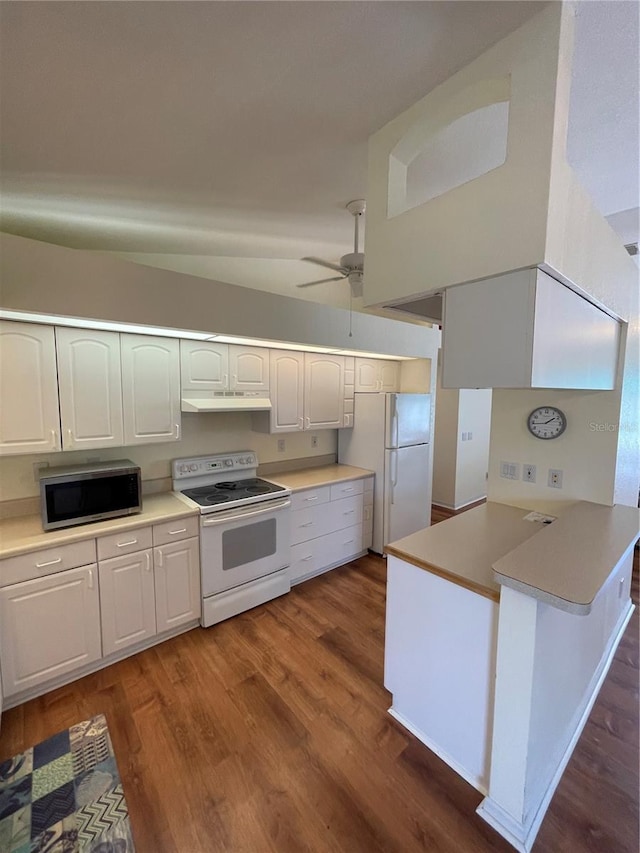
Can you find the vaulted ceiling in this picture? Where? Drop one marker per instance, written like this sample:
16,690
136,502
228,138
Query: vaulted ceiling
225,138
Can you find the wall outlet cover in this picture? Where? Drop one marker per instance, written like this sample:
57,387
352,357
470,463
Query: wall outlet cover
529,473
314,441
510,470
555,478
281,445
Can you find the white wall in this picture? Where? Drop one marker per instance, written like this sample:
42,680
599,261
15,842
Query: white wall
201,434
460,467
39,277
585,452
474,416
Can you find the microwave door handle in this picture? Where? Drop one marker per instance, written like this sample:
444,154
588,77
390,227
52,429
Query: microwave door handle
212,522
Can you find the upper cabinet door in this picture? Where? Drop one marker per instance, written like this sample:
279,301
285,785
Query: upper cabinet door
287,390
323,391
374,374
29,417
204,366
249,368
150,389
90,388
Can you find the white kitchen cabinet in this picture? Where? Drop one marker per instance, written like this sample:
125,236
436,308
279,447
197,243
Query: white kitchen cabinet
48,627
150,389
90,388
127,600
29,416
206,367
177,583
330,525
374,374
287,391
248,368
323,391
533,333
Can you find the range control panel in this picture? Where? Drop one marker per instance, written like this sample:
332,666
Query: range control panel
197,466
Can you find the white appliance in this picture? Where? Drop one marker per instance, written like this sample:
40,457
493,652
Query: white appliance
391,435
244,531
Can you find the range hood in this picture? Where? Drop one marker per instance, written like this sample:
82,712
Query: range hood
227,401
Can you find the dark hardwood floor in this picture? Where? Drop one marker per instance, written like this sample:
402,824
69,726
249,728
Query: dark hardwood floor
269,734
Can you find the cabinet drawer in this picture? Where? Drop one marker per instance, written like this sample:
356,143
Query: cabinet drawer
345,544
310,523
38,564
346,513
126,542
306,558
310,497
345,490
172,531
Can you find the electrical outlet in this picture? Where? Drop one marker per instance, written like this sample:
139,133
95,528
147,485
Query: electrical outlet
314,441
555,478
469,436
281,445
37,468
464,436
529,473
510,470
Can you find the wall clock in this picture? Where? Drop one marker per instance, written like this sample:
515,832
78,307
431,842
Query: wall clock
546,422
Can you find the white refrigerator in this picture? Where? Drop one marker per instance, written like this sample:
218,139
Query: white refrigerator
391,435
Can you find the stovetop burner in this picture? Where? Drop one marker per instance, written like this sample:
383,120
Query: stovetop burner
235,490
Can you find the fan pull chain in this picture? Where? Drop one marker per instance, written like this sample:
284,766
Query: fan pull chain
350,309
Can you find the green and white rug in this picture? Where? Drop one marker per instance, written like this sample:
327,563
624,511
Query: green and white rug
64,795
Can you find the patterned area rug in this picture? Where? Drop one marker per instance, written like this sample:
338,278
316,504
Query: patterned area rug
64,795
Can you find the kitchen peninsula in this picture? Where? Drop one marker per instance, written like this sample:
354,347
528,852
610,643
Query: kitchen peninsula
499,634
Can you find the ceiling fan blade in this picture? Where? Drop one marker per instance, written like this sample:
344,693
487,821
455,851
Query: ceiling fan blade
321,281
326,264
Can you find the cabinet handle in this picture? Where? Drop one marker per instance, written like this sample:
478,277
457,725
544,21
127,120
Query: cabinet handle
50,563
301,423
177,426
350,489
70,437
348,512
125,544
308,557
348,542
314,498
148,559
90,584
54,439
175,532
308,424
225,380
158,557
308,524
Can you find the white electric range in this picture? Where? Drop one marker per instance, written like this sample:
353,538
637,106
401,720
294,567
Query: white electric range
244,531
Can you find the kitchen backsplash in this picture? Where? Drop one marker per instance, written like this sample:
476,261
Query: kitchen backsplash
201,434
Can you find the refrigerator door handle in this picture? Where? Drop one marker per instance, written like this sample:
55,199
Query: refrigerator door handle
394,472
394,422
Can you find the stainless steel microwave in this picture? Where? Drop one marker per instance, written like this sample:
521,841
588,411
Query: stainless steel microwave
77,494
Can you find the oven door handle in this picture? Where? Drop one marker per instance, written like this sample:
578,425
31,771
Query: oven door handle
240,516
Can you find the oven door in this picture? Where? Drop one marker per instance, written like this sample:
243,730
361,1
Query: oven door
237,546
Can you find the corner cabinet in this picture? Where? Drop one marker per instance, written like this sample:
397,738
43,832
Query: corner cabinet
373,374
29,416
150,389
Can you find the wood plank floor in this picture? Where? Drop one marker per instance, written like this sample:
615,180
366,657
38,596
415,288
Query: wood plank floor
269,734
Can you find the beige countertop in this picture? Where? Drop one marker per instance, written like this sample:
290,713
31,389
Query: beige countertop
463,548
568,562
324,475
24,533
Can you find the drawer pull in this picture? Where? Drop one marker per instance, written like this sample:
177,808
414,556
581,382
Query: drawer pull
130,542
314,498
90,584
309,557
175,532
307,524
50,563
348,542
348,490
348,512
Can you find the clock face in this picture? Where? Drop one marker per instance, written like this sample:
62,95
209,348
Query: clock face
546,422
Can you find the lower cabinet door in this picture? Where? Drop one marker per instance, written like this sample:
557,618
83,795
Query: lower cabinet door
177,583
48,627
127,600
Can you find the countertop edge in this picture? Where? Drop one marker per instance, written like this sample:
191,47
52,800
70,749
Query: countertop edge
480,589
281,479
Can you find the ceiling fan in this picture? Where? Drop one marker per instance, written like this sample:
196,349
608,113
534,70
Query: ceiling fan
351,266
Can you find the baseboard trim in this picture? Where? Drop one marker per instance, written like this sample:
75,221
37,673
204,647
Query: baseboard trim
523,835
474,781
